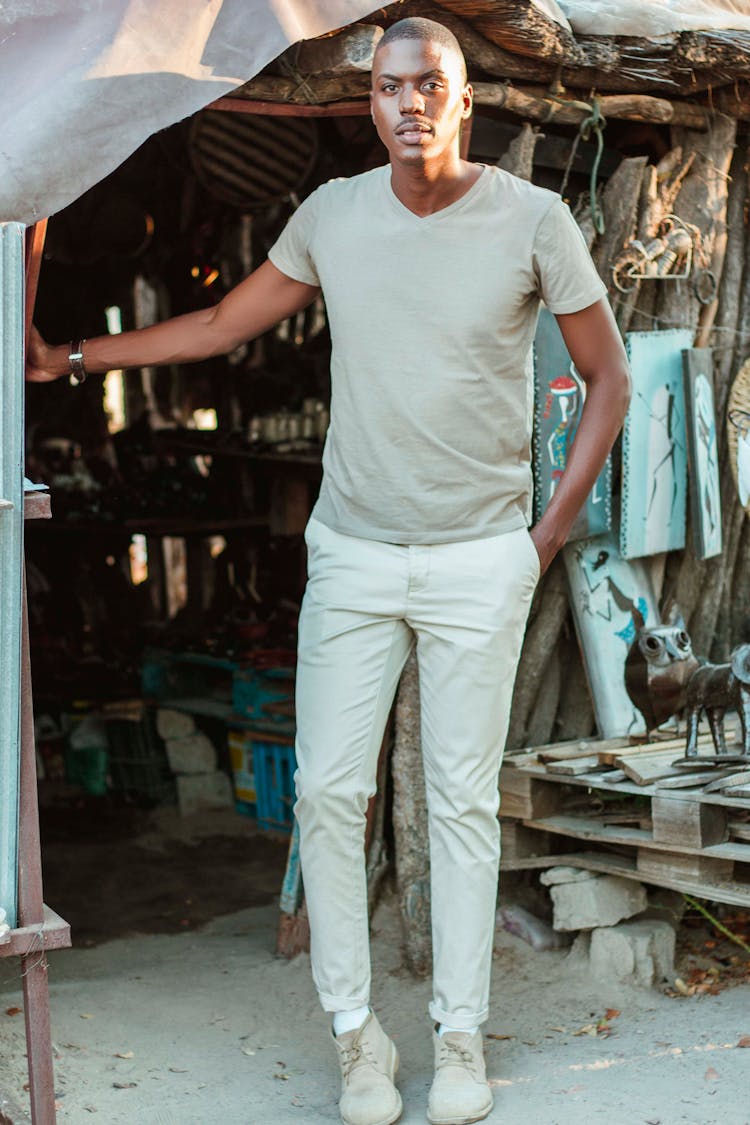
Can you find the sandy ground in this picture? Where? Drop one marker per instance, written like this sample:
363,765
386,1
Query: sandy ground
209,1027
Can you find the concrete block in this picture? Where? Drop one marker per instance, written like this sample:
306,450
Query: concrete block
193,754
602,901
173,724
578,954
641,952
203,791
555,875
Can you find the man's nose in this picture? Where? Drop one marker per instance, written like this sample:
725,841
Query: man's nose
412,100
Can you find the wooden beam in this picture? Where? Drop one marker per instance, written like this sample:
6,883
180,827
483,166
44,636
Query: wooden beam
347,50
287,109
535,104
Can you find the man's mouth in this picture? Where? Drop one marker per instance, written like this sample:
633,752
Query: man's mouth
413,130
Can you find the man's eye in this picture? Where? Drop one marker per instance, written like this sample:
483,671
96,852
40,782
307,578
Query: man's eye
388,89
432,85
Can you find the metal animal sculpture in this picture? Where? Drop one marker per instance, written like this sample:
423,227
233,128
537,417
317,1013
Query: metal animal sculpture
714,688
658,666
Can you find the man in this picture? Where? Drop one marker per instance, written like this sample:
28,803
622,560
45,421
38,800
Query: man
432,269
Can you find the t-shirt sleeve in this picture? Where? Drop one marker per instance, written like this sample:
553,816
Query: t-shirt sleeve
291,251
566,276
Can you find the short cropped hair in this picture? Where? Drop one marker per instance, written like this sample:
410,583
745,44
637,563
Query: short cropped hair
429,31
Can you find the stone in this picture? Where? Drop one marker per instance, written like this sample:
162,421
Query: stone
641,952
602,901
173,724
199,791
523,924
193,754
555,875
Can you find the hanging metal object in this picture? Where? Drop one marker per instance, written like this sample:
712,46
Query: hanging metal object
250,160
669,256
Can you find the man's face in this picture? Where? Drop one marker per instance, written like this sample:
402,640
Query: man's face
419,99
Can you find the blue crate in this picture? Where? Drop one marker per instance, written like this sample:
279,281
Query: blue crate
246,808
252,690
274,764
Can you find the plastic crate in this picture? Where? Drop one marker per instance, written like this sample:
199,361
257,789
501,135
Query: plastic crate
87,767
253,689
275,764
243,772
138,763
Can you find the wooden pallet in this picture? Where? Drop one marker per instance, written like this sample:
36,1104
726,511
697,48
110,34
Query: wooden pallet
633,812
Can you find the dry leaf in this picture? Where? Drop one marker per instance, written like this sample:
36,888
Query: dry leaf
711,1075
587,1029
248,1051
491,1035
13,1011
124,1085
744,1041
86,1015
563,1029
681,987
611,1013
282,1077
124,1055
178,1070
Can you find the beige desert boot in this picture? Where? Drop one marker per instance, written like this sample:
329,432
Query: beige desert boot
369,1061
459,1092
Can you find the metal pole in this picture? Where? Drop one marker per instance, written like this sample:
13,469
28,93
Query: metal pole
11,551
31,910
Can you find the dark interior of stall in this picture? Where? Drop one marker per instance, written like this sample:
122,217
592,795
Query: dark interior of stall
164,592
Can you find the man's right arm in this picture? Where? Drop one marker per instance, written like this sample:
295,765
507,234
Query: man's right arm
250,309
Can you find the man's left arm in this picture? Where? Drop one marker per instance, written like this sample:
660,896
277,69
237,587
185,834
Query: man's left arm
596,348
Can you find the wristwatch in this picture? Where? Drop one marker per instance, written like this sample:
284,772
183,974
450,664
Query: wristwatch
78,372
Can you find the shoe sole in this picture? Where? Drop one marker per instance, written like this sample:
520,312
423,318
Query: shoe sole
463,1120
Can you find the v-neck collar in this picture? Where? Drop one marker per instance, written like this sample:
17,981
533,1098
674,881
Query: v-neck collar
427,220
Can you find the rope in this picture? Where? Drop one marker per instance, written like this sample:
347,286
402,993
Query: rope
595,123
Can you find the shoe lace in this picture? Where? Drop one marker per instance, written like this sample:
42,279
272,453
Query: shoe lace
453,1054
353,1056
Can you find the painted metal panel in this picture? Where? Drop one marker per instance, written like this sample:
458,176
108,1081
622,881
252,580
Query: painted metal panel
604,591
11,551
654,446
559,393
703,457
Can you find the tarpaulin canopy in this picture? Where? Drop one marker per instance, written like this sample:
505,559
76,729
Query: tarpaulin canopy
84,82
655,17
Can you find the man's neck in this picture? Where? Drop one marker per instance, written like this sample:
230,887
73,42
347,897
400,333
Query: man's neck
427,189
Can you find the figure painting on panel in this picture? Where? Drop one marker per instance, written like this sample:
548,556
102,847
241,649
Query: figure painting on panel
706,465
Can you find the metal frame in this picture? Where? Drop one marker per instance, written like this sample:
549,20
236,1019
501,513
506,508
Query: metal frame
12,309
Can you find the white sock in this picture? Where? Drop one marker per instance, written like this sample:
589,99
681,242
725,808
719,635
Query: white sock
465,1030
350,1021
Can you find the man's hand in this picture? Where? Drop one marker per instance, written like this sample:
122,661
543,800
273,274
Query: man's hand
40,367
544,547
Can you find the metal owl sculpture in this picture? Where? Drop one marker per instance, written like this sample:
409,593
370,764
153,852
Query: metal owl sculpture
657,668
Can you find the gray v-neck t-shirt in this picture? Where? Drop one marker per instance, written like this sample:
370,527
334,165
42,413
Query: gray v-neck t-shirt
432,321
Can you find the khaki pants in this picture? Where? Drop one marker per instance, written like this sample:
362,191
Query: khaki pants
366,602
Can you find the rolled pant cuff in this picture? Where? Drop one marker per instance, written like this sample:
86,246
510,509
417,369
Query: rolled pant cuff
342,1003
452,1019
